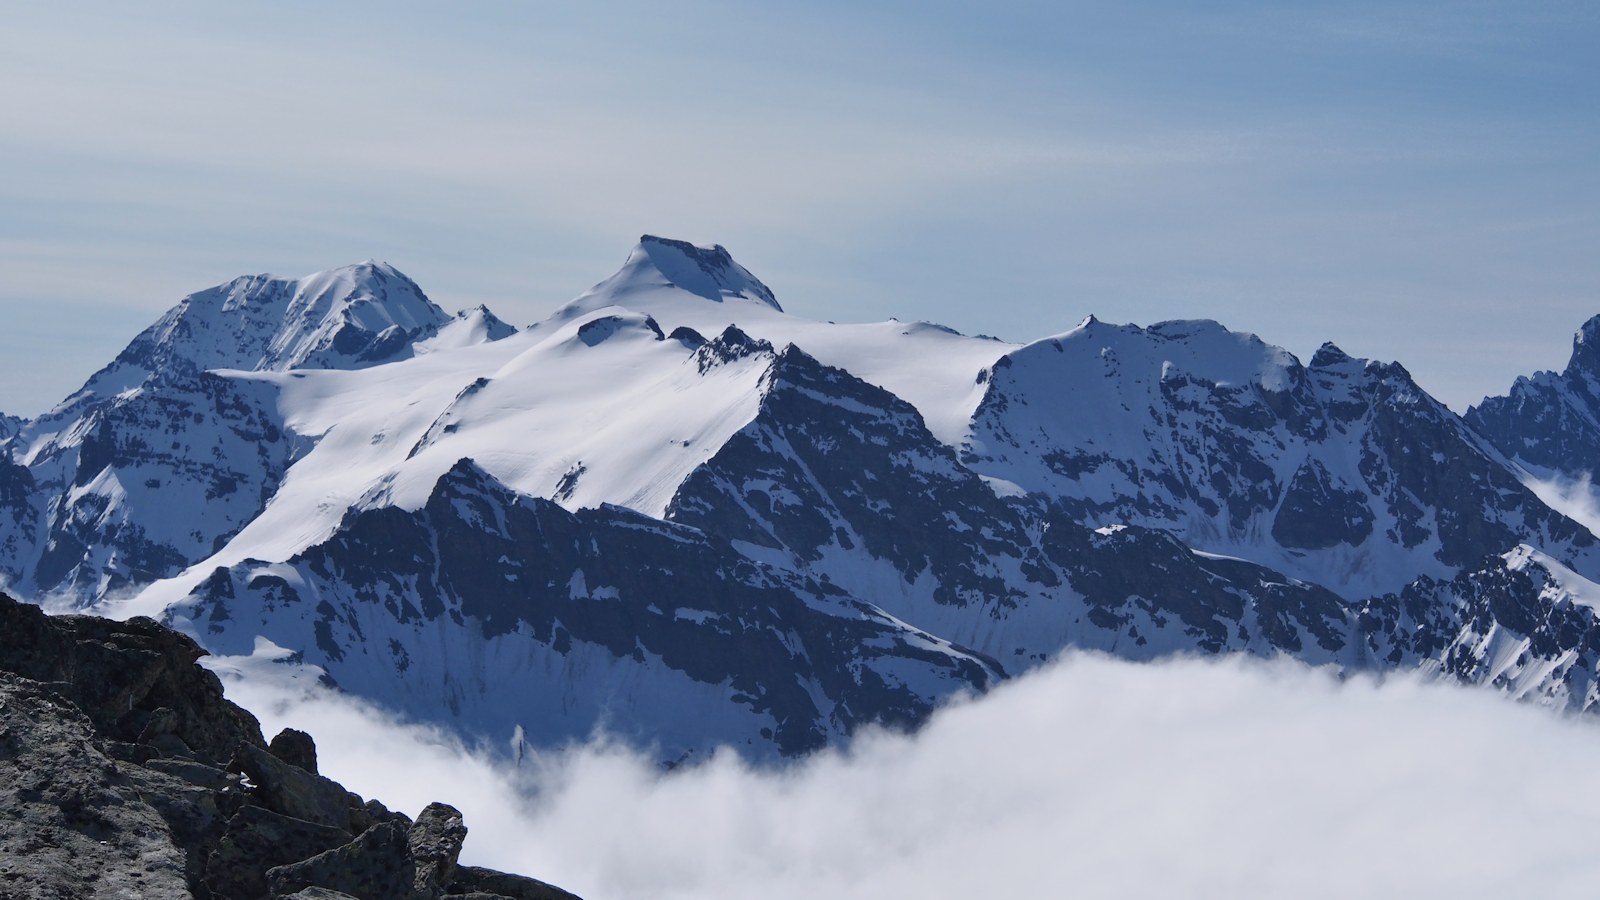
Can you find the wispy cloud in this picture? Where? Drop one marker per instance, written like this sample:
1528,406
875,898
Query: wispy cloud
1093,778
1574,498
1307,174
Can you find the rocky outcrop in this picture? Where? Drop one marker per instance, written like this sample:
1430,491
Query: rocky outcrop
1550,421
124,772
769,661
1343,473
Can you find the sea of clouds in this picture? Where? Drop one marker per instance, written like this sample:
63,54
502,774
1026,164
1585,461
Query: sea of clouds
1089,778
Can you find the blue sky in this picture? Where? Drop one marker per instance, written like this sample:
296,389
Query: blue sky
1414,181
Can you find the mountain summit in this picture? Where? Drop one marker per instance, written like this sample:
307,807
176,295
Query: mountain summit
345,318
708,272
349,317
157,430
1550,421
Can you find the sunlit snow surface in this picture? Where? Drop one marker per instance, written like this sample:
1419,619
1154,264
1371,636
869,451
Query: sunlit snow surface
594,405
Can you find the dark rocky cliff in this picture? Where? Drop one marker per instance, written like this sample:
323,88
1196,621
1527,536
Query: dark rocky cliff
125,773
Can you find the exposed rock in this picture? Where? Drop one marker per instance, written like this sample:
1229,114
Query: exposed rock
586,581
258,839
127,677
296,748
295,792
473,882
1550,422
375,865
125,773
434,844
72,824
387,860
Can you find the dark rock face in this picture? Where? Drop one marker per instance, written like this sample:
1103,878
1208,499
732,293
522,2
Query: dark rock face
197,442
473,882
296,748
21,510
824,461
135,680
1150,594
299,794
1237,448
1507,624
433,845
415,862
72,821
1317,514
845,479
796,656
256,840
364,867
1551,421
124,772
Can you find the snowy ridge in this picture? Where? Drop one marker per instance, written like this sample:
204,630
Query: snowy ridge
162,455
1334,473
470,326
353,316
1523,623
662,263
1550,421
9,426
676,511
930,366
554,596
631,414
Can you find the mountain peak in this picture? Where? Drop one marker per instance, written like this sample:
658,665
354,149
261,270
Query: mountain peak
1586,348
348,317
467,328
1329,354
1550,421
708,272
345,318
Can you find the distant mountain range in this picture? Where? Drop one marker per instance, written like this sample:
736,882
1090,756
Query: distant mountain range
678,513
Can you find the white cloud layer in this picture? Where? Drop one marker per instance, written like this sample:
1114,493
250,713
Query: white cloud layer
1092,778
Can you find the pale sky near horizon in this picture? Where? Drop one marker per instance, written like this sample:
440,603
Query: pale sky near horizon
1413,181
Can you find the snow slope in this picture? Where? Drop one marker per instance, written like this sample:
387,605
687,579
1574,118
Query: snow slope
678,511
1344,472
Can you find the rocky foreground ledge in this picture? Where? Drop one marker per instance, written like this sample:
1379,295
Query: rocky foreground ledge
125,773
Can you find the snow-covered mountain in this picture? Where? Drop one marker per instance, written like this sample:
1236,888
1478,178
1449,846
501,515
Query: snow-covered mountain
161,456
1550,421
511,612
1522,622
1343,472
678,512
